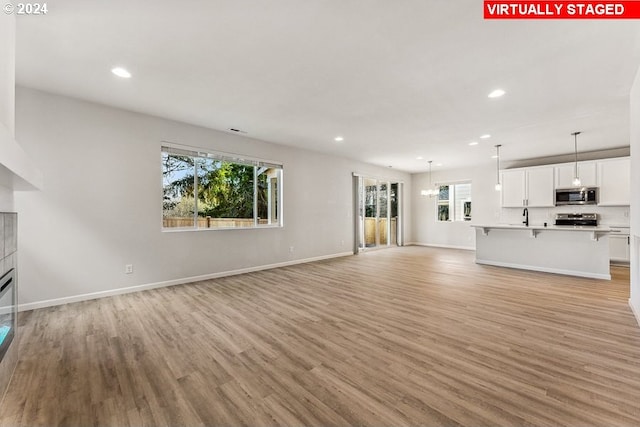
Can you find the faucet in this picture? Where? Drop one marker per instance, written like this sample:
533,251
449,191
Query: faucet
525,214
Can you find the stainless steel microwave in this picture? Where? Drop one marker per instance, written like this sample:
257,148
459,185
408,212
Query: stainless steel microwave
577,196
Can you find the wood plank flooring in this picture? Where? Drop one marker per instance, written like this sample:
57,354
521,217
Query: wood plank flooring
399,337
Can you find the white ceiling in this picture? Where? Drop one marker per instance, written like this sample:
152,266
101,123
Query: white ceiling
398,79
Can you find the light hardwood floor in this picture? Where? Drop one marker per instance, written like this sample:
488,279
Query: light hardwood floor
406,336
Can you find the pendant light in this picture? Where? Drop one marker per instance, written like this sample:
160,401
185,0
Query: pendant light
498,185
576,178
430,192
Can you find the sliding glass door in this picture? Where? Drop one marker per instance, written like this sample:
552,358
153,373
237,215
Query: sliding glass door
378,212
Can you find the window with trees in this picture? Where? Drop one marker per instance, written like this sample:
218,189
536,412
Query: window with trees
202,190
454,202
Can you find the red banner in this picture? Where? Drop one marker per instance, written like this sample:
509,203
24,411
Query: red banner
561,9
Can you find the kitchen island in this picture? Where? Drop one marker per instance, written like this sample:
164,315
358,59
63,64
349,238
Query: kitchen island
577,251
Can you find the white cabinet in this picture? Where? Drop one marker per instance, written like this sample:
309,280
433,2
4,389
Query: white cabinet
586,172
614,182
619,245
540,187
528,187
513,188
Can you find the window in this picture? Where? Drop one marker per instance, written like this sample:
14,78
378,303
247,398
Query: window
454,202
204,190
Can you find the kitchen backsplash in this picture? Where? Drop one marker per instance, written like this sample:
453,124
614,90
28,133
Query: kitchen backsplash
609,215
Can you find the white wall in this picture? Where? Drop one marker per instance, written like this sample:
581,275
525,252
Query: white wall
6,199
634,300
100,205
16,170
7,70
485,207
7,90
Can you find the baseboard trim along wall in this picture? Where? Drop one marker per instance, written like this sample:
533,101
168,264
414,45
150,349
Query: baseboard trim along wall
635,312
546,269
431,245
139,288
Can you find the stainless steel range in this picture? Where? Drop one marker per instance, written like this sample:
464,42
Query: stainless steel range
577,219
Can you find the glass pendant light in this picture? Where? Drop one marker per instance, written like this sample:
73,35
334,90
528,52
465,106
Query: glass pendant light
576,178
430,192
498,185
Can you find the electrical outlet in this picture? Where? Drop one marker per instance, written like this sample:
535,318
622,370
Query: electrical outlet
128,269
290,249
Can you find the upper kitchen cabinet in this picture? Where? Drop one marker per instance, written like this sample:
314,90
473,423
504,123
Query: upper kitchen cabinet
540,191
586,173
528,187
614,182
513,188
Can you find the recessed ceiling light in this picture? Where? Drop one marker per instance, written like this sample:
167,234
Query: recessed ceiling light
121,72
438,164
494,157
473,143
419,158
485,136
496,93
338,139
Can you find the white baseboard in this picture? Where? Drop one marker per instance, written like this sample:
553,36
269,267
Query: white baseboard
432,245
546,269
138,288
635,311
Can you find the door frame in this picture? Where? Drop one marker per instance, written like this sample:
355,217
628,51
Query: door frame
359,212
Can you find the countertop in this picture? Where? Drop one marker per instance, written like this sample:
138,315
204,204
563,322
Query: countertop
540,227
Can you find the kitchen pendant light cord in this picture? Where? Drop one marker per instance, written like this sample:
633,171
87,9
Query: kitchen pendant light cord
431,190
497,164
576,179
498,186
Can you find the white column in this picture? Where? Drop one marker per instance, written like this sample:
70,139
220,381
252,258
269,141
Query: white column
634,300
